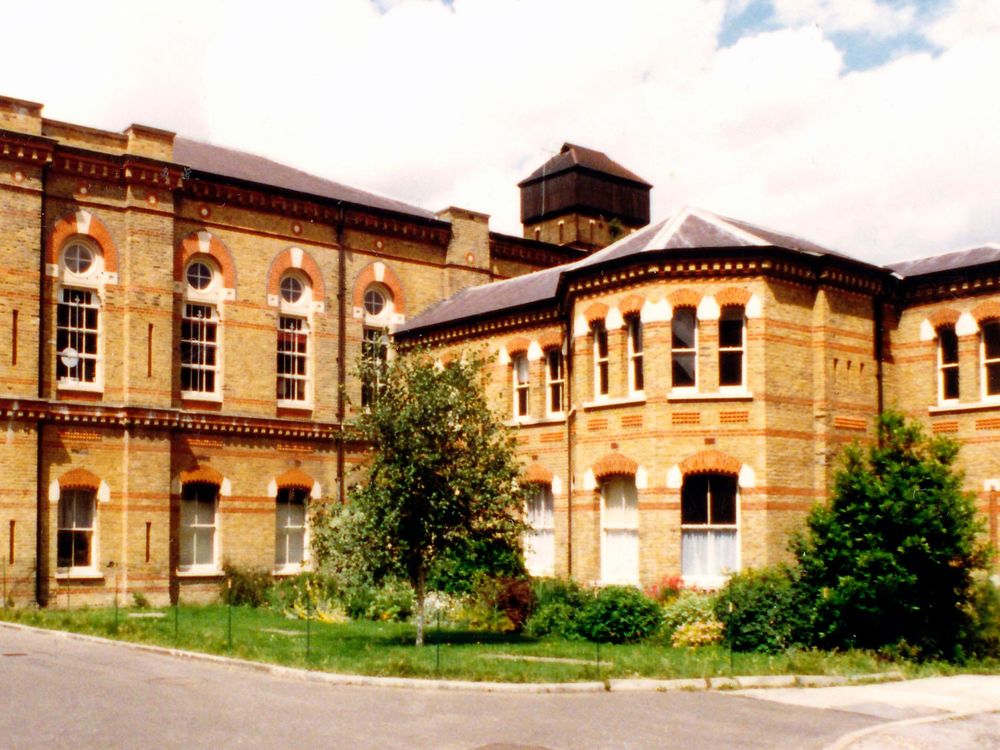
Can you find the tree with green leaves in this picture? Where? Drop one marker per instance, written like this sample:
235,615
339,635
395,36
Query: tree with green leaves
442,477
890,562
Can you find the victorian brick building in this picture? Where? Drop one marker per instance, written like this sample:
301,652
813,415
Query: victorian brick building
180,323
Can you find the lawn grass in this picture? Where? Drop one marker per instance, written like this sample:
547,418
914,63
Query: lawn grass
386,648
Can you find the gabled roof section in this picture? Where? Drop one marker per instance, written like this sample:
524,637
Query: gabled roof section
973,256
205,157
571,155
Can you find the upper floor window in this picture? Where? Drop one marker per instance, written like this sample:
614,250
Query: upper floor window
375,357
947,363
199,348
375,301
78,336
293,359
636,383
732,345
600,360
78,257
990,354
75,534
555,380
684,348
521,371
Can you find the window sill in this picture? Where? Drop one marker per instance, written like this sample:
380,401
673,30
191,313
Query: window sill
635,400
719,396
533,421
79,574
958,408
73,385
200,572
196,396
291,570
295,405
711,583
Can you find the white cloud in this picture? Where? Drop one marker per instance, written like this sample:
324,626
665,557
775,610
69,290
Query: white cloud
453,105
870,16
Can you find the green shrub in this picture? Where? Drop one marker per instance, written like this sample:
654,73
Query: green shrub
689,607
393,600
695,634
619,614
139,600
516,600
558,602
759,610
244,586
983,638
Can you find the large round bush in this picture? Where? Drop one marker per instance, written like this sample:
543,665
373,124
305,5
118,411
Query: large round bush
619,614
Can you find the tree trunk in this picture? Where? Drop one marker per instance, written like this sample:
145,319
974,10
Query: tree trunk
420,607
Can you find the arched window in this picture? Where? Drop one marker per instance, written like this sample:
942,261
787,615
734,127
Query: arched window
75,532
990,356
521,371
619,530
199,527
200,330
684,348
636,379
290,548
709,528
293,341
555,380
732,346
947,361
600,336
378,310
78,315
539,541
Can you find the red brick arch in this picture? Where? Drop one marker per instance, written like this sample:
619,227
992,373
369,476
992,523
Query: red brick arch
285,261
389,279
986,311
945,316
518,345
732,296
710,462
631,305
684,298
536,474
295,479
205,474
551,340
86,224
192,245
79,479
614,464
597,311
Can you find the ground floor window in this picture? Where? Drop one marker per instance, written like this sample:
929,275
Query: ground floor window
709,532
290,528
540,541
199,505
75,535
619,531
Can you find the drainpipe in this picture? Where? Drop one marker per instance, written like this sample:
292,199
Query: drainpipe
341,350
879,353
570,432
41,492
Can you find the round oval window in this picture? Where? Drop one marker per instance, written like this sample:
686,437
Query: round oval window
199,275
78,258
292,289
374,302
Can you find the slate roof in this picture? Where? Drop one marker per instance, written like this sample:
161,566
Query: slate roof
689,228
571,155
240,165
975,256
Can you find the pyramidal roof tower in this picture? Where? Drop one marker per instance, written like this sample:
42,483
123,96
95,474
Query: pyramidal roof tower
584,199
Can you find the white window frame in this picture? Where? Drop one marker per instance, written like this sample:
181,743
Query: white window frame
741,349
199,342
283,532
613,490
372,336
71,357
194,527
602,367
539,540
986,362
718,578
521,386
943,368
77,495
687,351
635,346
555,383
297,377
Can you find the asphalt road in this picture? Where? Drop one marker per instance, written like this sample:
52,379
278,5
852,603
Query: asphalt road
57,692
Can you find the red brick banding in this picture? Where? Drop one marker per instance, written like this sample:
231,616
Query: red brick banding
283,262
